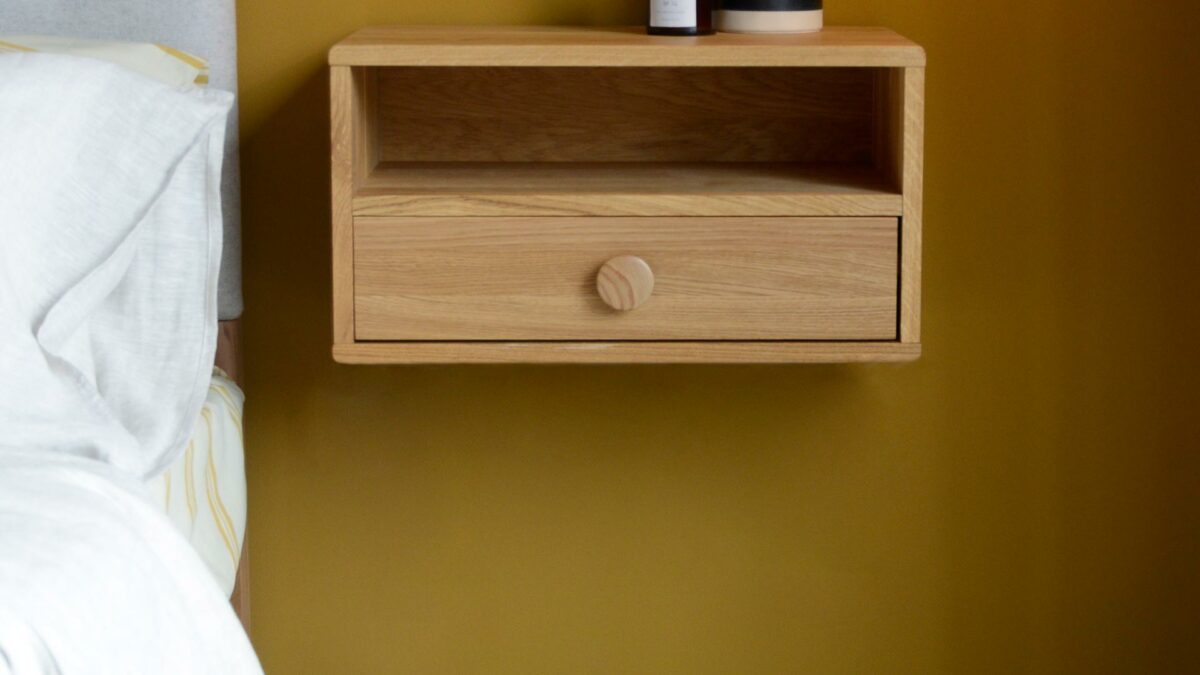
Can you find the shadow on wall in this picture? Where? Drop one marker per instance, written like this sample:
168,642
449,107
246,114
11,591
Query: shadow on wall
1021,500
677,505
287,215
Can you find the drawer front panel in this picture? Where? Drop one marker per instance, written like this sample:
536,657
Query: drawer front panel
713,278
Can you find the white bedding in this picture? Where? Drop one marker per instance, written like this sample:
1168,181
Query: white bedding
110,223
95,580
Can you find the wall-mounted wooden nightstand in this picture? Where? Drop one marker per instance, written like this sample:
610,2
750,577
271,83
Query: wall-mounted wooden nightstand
597,195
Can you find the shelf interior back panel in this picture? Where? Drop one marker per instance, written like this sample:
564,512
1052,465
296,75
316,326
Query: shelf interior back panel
643,141
485,114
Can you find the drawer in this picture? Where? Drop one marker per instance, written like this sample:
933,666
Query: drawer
534,279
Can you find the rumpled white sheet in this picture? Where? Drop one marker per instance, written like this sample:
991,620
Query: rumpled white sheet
93,580
109,246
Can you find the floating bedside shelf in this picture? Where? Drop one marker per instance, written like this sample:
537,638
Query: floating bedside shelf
769,186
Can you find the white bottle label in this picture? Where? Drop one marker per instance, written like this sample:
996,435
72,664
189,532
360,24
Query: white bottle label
673,13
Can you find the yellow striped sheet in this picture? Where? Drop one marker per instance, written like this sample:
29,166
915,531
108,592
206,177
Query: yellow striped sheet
193,61
228,398
211,471
189,483
12,47
221,517
162,62
187,58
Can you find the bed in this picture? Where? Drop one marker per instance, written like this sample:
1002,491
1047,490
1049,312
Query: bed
206,28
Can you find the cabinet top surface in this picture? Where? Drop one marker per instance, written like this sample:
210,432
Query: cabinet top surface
549,46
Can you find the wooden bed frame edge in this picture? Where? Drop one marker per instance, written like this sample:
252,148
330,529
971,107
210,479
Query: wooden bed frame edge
229,359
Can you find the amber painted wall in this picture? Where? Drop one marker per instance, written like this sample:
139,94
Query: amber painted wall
1023,499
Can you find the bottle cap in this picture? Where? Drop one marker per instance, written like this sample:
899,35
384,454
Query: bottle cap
772,5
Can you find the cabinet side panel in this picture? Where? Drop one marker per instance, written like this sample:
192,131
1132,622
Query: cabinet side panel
889,126
366,123
342,145
913,185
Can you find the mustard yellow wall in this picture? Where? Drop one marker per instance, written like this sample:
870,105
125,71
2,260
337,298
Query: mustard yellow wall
1023,499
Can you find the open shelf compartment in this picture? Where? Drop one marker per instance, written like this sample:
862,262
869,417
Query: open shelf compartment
640,141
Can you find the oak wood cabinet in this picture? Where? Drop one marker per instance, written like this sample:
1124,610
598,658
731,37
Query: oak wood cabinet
597,195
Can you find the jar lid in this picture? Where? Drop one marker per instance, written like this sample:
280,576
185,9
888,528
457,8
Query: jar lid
772,5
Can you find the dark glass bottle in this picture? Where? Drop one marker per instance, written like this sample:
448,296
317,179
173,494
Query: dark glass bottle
680,17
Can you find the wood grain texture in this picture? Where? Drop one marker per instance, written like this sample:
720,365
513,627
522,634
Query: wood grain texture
889,126
344,118
914,186
229,359
366,123
485,174
623,352
625,189
625,282
815,115
229,353
618,47
715,278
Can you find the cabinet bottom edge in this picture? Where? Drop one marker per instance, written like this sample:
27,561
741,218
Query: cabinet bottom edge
414,353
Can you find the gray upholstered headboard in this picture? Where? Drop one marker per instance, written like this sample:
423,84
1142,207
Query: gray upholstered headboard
206,28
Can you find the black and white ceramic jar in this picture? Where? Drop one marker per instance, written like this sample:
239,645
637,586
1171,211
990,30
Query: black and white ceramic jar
770,16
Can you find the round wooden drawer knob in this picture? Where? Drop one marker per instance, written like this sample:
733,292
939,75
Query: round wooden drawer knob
625,282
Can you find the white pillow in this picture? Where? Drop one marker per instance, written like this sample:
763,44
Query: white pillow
111,222
160,62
